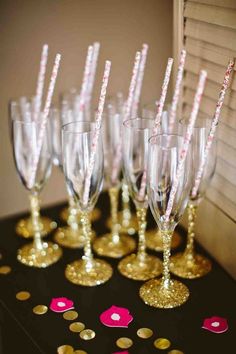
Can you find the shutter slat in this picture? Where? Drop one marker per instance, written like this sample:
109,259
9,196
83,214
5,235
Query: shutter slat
211,14
226,170
222,202
225,187
222,3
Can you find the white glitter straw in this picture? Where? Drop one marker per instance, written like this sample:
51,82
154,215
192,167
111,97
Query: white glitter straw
97,131
161,102
214,124
40,82
176,95
127,113
186,142
96,48
138,88
44,119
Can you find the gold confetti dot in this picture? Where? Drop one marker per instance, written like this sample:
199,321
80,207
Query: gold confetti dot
162,343
80,352
144,333
175,351
70,315
124,343
65,349
87,334
76,327
40,309
23,295
5,270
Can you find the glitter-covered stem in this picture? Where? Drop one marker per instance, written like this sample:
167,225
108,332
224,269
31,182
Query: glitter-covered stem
127,113
126,213
44,119
97,131
192,213
114,194
186,142
72,220
161,102
86,225
176,95
40,82
166,239
138,88
35,215
142,223
213,127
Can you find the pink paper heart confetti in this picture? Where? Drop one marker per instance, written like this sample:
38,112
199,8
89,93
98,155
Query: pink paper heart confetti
215,324
61,304
116,317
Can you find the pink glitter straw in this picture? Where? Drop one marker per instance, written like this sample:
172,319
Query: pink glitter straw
140,76
97,131
40,82
161,102
85,81
127,113
186,142
44,119
96,48
214,124
177,90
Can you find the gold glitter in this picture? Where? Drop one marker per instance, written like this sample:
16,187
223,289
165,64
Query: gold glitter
175,351
65,349
124,343
87,334
154,240
5,270
162,343
40,309
70,315
23,295
76,327
144,333
80,352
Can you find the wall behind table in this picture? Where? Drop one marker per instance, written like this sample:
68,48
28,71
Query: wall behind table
69,27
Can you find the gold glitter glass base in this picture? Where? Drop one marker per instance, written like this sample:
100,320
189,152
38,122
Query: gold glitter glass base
153,293
99,273
154,240
138,268
126,226
67,237
24,227
40,258
94,216
104,246
189,266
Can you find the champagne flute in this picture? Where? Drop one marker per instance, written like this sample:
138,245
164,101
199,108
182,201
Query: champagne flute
77,140
24,226
153,237
113,244
164,155
25,135
136,133
189,264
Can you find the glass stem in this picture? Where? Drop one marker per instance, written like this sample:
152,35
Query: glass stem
192,213
73,215
142,223
88,256
35,208
166,238
114,194
126,213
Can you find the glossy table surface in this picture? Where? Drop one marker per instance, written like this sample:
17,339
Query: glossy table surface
21,331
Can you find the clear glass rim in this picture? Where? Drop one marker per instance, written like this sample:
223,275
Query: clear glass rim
127,125
89,130
164,135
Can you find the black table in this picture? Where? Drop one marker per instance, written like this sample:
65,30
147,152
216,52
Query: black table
21,331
